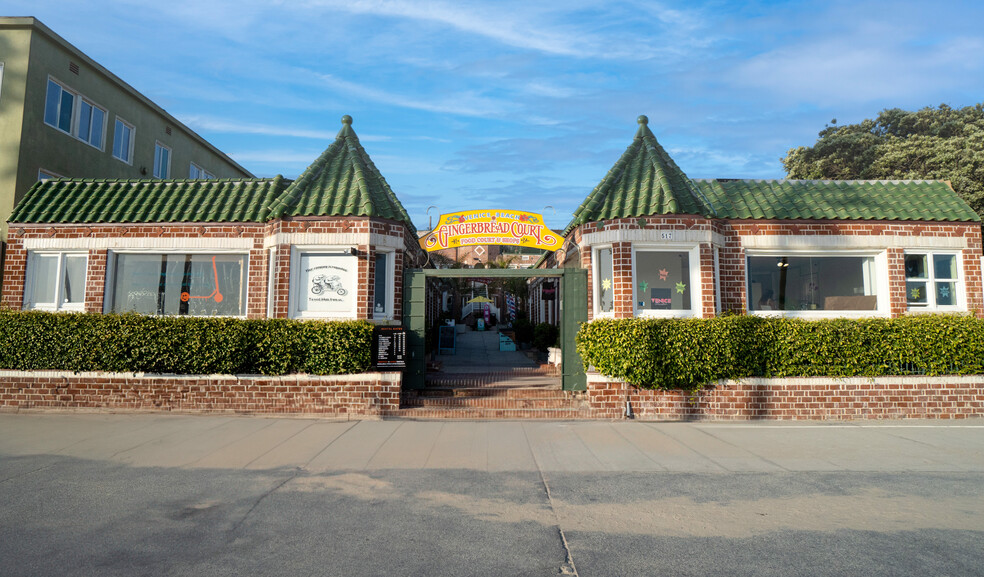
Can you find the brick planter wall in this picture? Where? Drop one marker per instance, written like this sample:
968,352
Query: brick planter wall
354,396
912,397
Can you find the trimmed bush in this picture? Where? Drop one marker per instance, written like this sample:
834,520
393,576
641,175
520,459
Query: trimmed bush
545,335
181,345
690,353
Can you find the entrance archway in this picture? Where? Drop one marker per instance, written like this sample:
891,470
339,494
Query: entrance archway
573,312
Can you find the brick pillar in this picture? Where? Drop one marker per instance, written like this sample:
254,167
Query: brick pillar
708,304
95,281
896,282
622,265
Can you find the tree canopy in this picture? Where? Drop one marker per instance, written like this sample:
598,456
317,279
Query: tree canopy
940,143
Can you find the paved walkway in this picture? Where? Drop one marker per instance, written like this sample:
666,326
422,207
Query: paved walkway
318,445
222,496
478,352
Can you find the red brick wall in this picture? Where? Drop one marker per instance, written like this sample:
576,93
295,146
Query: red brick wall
797,398
339,395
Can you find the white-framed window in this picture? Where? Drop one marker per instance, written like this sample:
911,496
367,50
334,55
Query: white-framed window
196,172
1,80
324,282
47,175
74,114
55,281
123,135
603,270
666,280
833,284
184,283
162,161
932,281
383,286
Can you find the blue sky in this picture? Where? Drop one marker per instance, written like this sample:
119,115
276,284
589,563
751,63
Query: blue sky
525,104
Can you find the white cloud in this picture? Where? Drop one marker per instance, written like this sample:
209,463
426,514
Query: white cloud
204,123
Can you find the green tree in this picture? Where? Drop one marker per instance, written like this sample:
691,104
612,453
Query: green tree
940,143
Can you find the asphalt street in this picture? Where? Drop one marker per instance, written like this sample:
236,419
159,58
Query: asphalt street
165,494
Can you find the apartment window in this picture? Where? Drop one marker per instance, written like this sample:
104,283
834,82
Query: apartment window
123,141
324,282
74,114
196,172
47,175
812,283
92,123
664,281
179,284
59,107
604,283
56,281
162,161
932,281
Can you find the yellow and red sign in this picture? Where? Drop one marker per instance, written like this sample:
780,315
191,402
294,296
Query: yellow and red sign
505,227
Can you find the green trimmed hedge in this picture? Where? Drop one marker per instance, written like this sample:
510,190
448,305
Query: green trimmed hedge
181,345
690,353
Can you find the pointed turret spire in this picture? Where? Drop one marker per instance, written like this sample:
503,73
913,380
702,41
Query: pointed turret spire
343,181
644,181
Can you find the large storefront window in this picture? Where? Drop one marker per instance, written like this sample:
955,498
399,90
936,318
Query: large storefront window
663,281
812,283
931,281
179,284
325,284
56,281
604,285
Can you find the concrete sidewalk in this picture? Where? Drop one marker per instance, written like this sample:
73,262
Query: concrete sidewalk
223,496
242,442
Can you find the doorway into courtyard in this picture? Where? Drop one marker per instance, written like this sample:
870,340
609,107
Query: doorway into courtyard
462,339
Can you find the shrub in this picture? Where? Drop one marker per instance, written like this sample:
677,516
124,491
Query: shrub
181,345
690,353
545,335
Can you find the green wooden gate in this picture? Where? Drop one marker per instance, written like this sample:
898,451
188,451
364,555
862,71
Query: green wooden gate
573,312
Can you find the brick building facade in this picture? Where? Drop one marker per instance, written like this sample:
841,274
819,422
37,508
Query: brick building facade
330,245
658,244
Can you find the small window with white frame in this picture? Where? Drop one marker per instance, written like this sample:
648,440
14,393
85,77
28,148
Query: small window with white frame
932,281
604,281
55,281
383,287
198,173
324,283
665,280
123,134
162,161
47,175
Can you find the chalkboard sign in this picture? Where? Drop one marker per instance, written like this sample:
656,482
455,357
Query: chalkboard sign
389,348
445,340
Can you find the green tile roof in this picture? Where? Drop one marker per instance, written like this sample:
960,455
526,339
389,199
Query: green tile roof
110,201
343,181
929,200
644,181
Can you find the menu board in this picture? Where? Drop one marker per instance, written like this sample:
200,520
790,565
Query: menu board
389,348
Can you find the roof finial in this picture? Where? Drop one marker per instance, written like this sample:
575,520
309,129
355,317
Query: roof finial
643,119
347,120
